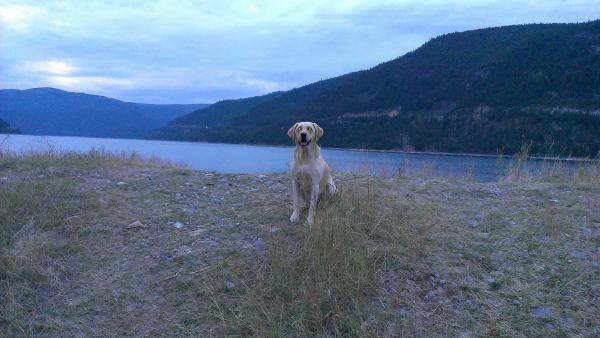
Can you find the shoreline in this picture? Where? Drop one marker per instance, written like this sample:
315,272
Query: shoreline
430,153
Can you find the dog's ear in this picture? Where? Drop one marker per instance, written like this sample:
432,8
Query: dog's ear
318,131
292,131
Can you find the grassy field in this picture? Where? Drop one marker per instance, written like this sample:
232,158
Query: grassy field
100,244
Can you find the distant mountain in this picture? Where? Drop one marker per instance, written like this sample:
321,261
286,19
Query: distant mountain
482,91
6,129
50,111
206,123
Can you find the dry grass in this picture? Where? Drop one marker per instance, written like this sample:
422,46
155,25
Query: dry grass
94,158
551,170
40,221
413,257
323,280
420,264
34,236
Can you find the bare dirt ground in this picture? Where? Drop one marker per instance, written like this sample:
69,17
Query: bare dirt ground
137,246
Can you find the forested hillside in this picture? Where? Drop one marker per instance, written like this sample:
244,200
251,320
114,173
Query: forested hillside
481,91
204,124
5,127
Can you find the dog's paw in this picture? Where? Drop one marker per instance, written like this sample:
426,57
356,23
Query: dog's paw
331,188
294,218
309,221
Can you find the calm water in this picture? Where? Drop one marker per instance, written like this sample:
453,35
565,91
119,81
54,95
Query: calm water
233,158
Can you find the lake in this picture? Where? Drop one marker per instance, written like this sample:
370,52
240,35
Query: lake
235,158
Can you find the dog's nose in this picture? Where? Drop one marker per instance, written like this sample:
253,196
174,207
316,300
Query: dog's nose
303,136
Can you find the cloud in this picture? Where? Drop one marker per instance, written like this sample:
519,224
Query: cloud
18,16
91,83
262,85
184,51
49,67
168,84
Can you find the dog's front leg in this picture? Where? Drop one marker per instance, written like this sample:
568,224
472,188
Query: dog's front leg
295,202
314,195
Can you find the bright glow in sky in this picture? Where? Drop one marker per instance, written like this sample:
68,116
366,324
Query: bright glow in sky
202,51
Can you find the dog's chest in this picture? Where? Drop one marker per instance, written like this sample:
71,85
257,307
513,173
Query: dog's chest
304,184
303,178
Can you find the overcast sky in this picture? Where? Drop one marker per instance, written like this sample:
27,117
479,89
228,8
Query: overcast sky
204,51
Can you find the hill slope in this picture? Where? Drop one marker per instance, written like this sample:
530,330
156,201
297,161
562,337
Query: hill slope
479,91
49,111
201,124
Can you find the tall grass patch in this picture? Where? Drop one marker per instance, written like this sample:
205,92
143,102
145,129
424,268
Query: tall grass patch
51,156
35,233
321,280
551,169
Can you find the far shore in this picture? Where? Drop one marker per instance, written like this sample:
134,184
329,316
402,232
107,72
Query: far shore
396,151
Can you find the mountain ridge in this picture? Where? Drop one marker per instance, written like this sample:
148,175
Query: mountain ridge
488,91
52,111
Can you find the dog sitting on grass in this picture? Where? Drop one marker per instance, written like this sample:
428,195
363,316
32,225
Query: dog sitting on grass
311,176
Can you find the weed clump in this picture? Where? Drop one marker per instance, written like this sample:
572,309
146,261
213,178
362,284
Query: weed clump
322,279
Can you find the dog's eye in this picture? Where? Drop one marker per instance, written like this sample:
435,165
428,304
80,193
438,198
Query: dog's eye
309,129
298,129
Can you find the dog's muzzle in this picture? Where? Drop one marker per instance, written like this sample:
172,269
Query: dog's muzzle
303,141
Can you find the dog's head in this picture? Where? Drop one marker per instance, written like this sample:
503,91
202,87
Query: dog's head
305,133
